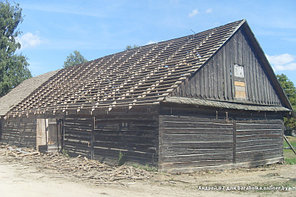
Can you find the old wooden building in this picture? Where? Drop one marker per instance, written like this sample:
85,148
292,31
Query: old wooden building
14,97
201,101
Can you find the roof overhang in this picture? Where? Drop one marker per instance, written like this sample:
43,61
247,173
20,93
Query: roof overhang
224,105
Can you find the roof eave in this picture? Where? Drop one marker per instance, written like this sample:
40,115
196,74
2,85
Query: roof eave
261,56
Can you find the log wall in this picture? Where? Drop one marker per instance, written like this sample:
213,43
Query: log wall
105,137
19,131
135,136
179,138
194,138
189,142
259,140
77,136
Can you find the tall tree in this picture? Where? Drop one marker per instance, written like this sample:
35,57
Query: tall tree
74,59
13,67
290,91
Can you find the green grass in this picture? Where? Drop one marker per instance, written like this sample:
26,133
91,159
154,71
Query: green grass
289,156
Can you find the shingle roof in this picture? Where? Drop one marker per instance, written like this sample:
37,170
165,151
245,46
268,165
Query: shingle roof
140,76
23,90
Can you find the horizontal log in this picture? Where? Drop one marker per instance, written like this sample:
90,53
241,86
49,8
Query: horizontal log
172,138
190,158
198,144
258,147
261,132
198,130
170,165
256,157
242,141
196,123
184,150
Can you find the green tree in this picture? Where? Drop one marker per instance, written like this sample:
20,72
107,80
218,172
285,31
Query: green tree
74,59
131,47
13,67
290,91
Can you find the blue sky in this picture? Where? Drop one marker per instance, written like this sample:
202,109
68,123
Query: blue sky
54,29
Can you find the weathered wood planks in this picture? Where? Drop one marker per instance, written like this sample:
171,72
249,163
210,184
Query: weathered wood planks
136,137
196,138
259,140
209,142
19,131
215,80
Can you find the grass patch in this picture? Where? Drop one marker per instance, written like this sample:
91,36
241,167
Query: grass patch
290,161
289,156
292,141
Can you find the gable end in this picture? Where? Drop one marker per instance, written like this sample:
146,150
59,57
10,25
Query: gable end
236,73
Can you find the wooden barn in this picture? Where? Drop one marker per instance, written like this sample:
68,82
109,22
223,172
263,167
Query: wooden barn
207,100
14,97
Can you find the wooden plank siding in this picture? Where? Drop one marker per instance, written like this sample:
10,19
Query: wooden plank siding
258,140
192,141
215,80
103,137
193,138
20,132
135,136
77,136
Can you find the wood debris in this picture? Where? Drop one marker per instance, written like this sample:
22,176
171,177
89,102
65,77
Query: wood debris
79,167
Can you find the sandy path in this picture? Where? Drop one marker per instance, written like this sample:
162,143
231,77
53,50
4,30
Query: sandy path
21,179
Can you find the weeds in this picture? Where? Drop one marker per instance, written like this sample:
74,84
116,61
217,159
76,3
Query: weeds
144,167
121,158
65,153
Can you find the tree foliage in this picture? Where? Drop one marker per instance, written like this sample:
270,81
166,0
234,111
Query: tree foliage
131,47
290,91
74,59
13,67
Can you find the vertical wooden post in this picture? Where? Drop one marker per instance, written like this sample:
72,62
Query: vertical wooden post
160,143
234,142
63,134
226,117
92,138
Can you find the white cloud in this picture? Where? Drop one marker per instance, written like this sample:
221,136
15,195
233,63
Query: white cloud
193,13
29,40
210,10
282,62
151,42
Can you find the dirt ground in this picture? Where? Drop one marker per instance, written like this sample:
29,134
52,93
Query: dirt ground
25,173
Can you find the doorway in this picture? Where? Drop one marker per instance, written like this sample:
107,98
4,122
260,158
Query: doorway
49,135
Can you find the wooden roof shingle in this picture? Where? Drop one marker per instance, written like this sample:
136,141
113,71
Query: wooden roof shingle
23,90
140,76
